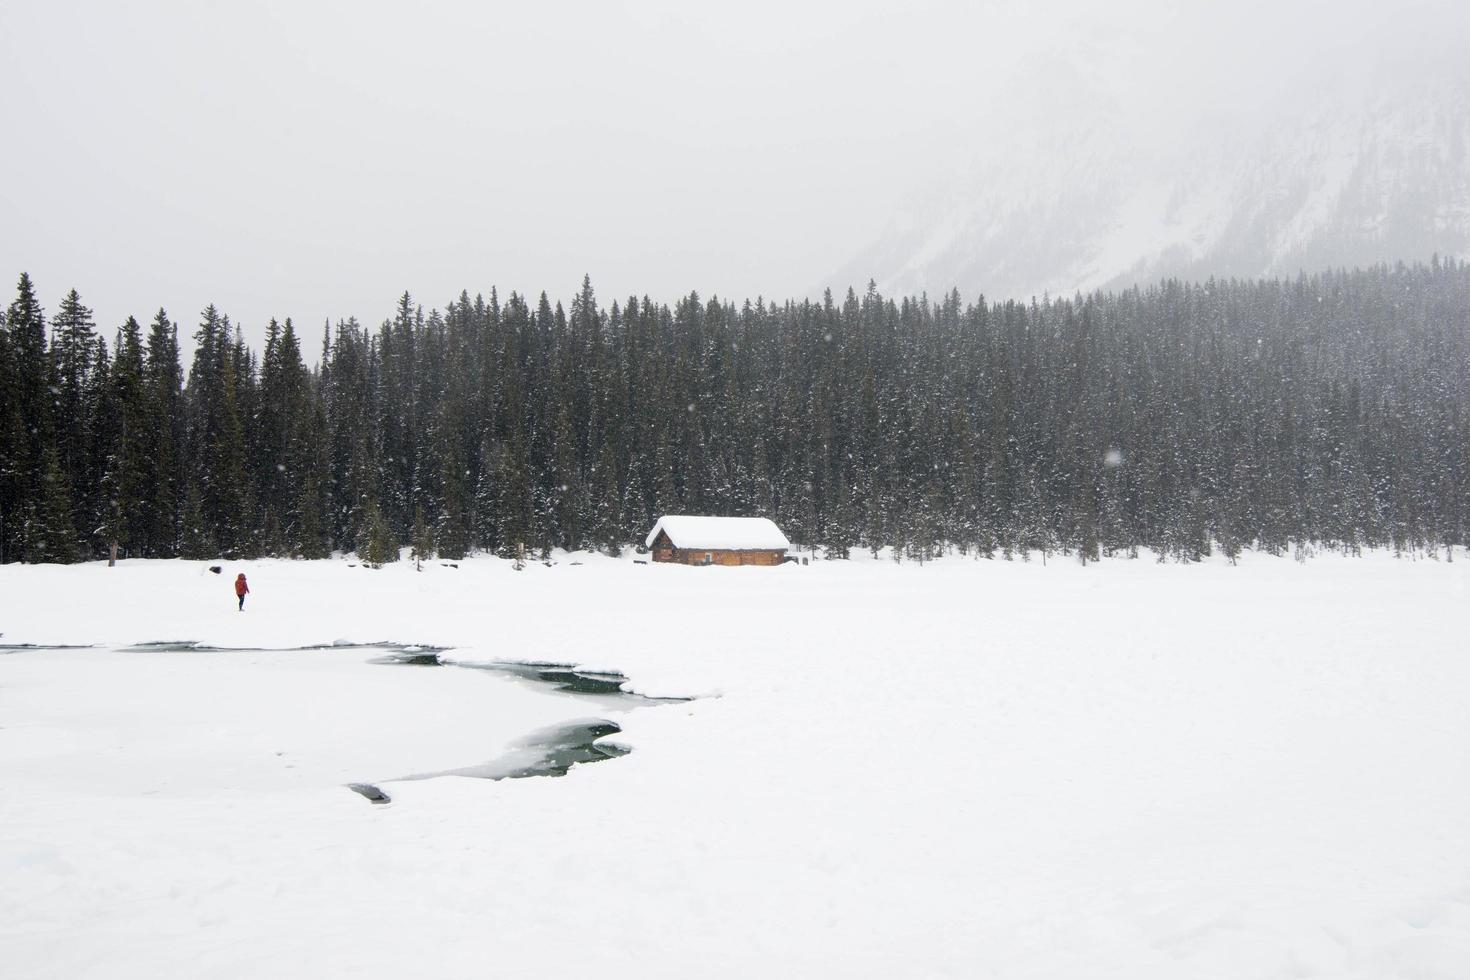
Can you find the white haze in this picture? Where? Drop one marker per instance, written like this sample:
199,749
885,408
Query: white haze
314,160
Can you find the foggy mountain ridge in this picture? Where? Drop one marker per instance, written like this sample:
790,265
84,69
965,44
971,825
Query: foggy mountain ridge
1087,201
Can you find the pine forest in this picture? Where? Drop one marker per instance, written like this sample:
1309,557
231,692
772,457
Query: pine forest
1328,411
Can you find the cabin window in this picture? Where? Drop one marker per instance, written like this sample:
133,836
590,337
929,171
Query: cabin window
709,558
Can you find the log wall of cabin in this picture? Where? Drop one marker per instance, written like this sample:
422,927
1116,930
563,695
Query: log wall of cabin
663,550
695,556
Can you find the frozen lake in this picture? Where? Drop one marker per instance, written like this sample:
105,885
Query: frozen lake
1128,770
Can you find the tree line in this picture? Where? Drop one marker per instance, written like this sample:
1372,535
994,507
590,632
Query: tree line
1183,418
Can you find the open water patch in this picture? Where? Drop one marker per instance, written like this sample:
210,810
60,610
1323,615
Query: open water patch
411,657
549,751
559,677
565,678
22,647
194,646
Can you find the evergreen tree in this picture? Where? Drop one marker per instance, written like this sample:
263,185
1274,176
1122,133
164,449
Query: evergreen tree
380,544
218,497
286,447
312,539
17,470
162,433
126,491
51,535
423,540
73,364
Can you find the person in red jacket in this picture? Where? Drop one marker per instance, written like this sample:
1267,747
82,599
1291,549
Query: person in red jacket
241,589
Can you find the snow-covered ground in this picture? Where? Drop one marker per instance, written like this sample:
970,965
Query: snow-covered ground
965,769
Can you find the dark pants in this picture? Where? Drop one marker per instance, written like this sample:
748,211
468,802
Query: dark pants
242,602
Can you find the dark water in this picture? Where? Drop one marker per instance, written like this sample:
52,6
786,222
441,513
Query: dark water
563,678
21,647
549,752
192,646
411,657
558,677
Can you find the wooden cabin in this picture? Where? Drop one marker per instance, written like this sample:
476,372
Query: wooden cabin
688,540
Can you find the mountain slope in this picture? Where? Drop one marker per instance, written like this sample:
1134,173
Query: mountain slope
1098,202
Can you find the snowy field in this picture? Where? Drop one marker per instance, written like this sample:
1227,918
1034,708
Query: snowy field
966,769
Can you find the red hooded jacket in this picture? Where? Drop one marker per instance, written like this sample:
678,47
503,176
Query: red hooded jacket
240,587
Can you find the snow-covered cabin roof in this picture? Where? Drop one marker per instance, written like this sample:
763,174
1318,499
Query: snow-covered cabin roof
722,533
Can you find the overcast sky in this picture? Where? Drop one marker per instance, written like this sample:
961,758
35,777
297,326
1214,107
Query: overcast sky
314,159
